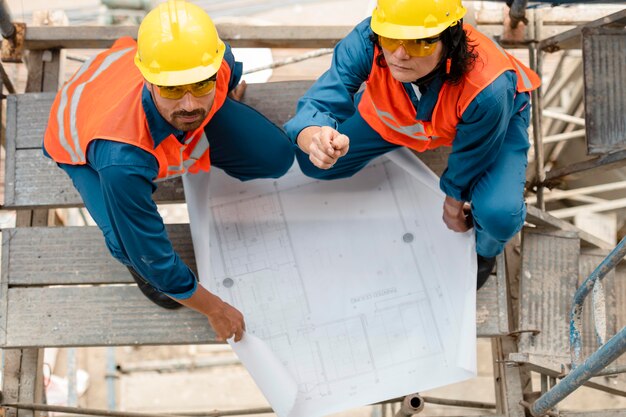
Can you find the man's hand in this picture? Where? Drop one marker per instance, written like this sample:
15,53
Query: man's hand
226,320
324,145
456,215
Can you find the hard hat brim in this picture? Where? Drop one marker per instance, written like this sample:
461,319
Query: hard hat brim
188,76
391,30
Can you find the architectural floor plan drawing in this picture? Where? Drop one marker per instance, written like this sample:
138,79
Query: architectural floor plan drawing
353,290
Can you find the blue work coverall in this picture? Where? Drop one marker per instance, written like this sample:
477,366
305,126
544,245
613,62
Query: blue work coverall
487,165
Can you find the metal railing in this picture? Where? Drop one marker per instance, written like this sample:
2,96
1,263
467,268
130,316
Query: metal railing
601,358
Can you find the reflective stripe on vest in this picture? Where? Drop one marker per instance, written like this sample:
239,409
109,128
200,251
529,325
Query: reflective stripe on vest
201,147
519,70
416,131
76,152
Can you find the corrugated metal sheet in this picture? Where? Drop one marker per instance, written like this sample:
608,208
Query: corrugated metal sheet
604,57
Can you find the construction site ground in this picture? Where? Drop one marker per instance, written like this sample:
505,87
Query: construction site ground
229,386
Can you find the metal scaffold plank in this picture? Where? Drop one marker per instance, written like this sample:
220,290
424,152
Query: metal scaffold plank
548,282
571,39
604,59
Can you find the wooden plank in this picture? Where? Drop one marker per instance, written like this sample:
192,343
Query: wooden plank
30,112
38,182
35,181
571,39
34,63
22,379
10,381
10,149
548,282
100,37
548,366
491,305
38,256
508,379
604,163
98,316
4,285
593,413
541,218
241,36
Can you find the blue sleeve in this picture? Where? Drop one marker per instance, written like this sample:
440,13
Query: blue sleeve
330,100
236,68
126,174
479,136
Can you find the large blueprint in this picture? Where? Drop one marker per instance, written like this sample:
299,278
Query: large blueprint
353,290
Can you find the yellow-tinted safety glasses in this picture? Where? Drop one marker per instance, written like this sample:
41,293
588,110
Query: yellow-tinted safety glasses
199,89
413,47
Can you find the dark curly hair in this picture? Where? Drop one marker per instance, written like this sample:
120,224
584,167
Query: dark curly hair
456,47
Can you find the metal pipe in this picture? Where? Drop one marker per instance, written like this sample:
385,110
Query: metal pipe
575,134
107,413
110,378
599,273
72,392
537,129
562,194
411,404
179,364
128,4
612,370
6,26
606,354
459,403
589,208
291,60
563,117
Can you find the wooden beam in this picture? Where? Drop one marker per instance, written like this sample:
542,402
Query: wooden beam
543,219
100,37
609,161
237,35
571,39
22,379
589,208
574,192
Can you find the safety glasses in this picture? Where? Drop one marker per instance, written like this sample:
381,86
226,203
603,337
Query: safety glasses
199,89
413,47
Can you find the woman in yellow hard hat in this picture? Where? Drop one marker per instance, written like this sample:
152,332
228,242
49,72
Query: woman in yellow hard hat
143,112
414,75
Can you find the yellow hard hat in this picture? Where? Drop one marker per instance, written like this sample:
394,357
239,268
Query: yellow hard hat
178,44
415,19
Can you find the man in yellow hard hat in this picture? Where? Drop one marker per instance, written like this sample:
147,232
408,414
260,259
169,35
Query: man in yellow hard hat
429,81
143,112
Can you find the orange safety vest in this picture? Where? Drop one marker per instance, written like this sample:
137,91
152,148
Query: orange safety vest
387,108
102,100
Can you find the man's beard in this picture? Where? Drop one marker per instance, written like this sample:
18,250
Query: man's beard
188,126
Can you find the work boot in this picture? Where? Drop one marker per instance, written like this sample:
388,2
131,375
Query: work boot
154,295
485,267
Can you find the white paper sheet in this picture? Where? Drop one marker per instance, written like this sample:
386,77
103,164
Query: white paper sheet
353,290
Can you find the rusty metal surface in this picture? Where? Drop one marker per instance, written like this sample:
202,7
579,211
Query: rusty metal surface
588,262
604,58
13,48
